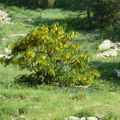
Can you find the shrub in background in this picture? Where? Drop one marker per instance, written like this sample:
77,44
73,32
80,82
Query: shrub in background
53,56
104,11
33,4
46,3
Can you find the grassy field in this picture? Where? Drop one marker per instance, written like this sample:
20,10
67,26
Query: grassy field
53,103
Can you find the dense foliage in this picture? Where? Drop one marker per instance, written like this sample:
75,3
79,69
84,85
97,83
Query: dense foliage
53,55
47,3
30,3
105,12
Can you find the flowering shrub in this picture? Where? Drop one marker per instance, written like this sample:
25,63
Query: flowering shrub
53,56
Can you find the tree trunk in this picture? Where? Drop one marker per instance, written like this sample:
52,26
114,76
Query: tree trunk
33,4
88,13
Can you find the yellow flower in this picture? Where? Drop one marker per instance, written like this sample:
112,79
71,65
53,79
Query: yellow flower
85,78
57,48
75,46
65,46
31,53
43,57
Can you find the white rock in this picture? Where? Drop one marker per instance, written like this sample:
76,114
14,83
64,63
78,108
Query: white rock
100,55
7,51
4,55
4,17
110,53
106,44
100,118
22,116
29,20
83,118
18,35
91,118
83,86
117,46
72,118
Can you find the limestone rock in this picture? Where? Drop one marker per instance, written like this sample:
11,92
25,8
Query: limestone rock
29,20
22,117
117,46
107,54
7,51
92,118
106,44
4,17
18,35
72,118
83,86
83,118
4,55
100,118
110,53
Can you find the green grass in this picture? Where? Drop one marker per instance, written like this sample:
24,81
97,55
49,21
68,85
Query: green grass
54,103
47,103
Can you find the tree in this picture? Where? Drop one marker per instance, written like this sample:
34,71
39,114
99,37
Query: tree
88,13
53,56
104,11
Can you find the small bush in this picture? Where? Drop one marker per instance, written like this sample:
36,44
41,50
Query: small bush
53,56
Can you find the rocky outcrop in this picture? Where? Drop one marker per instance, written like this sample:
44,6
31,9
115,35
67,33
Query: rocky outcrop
4,17
5,53
106,44
83,118
108,49
108,53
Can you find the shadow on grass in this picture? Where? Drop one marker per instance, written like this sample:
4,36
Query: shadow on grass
33,80
74,23
28,80
106,70
21,3
32,4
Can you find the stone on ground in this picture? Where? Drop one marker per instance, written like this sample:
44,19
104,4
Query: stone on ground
117,46
110,53
83,86
18,35
72,118
92,118
107,54
4,55
7,51
82,118
106,44
4,18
